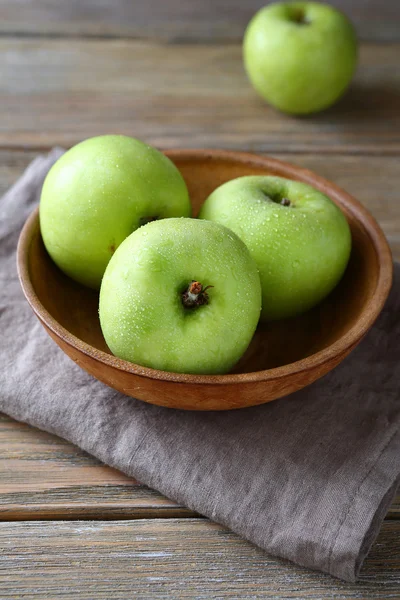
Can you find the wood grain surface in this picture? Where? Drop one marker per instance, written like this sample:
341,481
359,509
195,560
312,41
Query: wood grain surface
172,558
56,91
173,20
45,477
171,73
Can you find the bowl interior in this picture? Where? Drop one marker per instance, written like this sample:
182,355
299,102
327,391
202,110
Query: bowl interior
76,307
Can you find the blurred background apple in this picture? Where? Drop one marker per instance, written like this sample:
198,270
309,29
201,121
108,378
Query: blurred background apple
300,56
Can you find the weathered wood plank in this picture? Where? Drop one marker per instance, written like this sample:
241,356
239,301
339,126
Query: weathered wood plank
45,477
173,20
56,92
371,179
190,558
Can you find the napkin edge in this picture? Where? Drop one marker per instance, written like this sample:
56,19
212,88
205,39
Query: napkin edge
364,519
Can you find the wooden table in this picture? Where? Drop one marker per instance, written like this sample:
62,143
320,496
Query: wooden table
170,73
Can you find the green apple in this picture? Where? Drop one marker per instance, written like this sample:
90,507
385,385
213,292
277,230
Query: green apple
180,295
100,191
299,239
300,56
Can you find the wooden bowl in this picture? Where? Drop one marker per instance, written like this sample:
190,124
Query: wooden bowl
283,356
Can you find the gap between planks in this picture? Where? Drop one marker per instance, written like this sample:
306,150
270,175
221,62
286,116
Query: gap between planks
177,40
328,153
58,513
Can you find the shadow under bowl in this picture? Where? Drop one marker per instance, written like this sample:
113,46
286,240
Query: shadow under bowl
283,356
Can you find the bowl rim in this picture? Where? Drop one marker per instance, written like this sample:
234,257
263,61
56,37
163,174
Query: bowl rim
283,169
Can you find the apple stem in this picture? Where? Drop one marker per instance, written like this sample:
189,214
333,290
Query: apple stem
195,295
285,202
300,18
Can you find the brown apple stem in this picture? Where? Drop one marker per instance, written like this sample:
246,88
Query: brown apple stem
300,18
195,295
285,202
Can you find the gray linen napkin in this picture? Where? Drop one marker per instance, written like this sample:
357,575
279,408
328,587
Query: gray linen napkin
308,477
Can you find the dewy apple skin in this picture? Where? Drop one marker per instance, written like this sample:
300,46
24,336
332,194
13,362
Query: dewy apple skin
181,295
299,239
100,191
